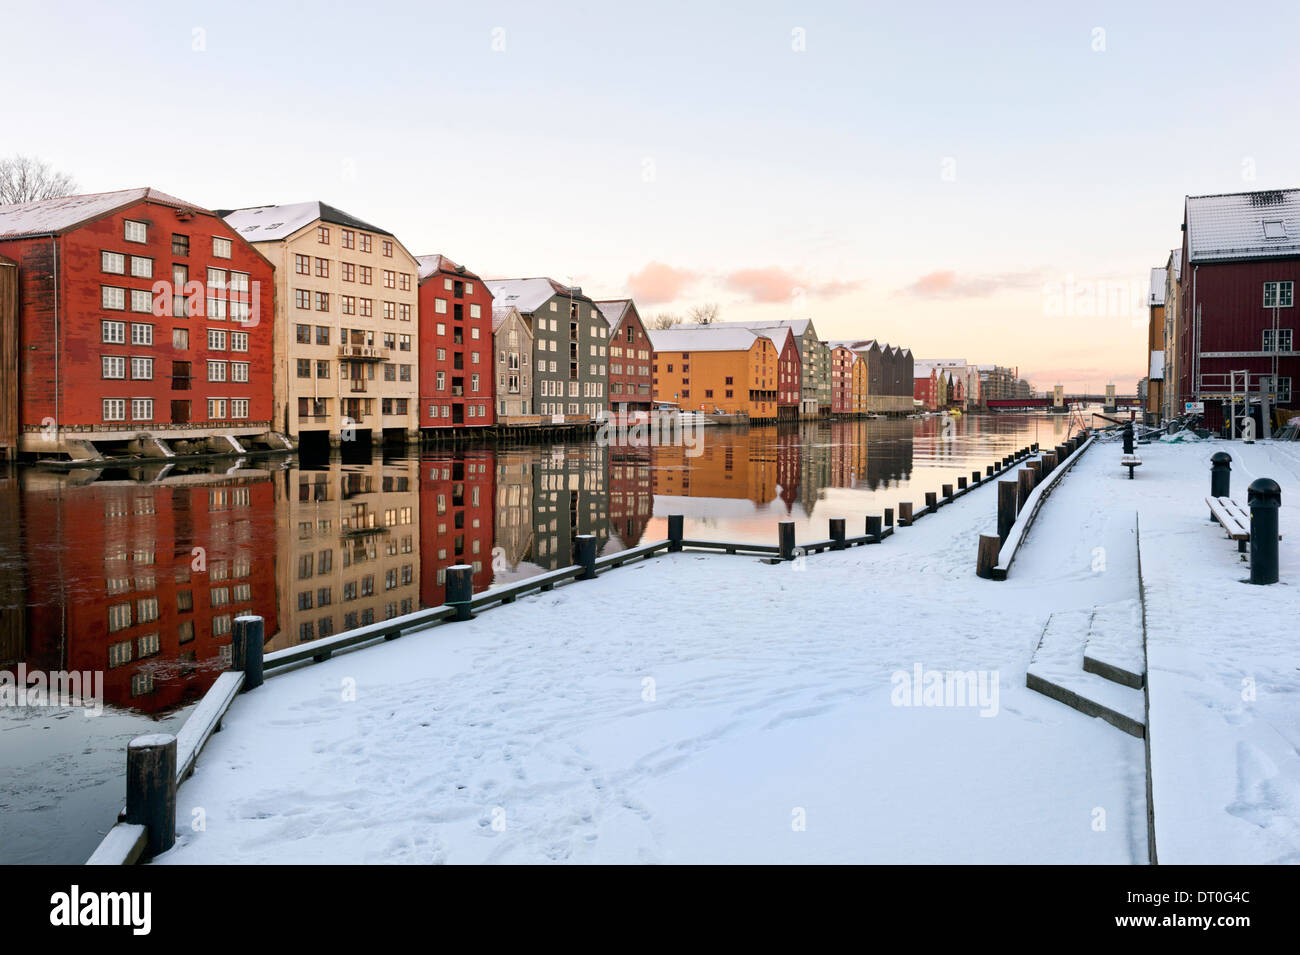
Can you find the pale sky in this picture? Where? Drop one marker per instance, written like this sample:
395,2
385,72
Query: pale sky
936,175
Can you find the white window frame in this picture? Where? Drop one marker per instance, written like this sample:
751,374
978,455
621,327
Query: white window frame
134,231
1275,290
141,333
141,364
221,247
114,409
216,370
142,301
112,332
112,298
216,339
107,259
239,408
239,341
141,267
110,363
238,371
141,404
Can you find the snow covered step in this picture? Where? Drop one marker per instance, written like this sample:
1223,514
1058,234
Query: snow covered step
1114,647
1056,670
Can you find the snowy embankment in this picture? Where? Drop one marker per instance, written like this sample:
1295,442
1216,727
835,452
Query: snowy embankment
1224,663
694,709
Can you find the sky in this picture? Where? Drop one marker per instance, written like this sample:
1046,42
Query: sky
991,182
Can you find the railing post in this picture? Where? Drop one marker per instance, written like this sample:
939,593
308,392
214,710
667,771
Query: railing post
1025,484
873,527
1006,508
961,483
905,514
947,490
988,471
987,557
1265,499
674,533
246,644
889,517
837,533
785,539
151,789
586,556
460,590
974,477
931,501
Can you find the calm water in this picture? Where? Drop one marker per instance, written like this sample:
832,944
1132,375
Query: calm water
138,573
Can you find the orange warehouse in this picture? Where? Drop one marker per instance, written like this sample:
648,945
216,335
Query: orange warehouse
716,369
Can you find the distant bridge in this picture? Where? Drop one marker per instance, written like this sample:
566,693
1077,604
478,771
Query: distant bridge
1124,401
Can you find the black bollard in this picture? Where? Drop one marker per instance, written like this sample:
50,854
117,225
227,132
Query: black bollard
586,552
1127,434
905,514
961,483
974,478
151,789
988,471
460,589
873,527
947,489
674,532
931,501
1265,498
889,517
1220,475
837,533
246,642
785,538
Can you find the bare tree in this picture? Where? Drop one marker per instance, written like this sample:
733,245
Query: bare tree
705,314
27,179
664,320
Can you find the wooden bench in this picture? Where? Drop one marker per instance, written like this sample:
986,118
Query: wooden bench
1130,461
1233,517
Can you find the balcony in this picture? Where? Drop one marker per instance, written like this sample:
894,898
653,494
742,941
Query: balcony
363,353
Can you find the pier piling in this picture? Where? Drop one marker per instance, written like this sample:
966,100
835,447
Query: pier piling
151,789
1006,508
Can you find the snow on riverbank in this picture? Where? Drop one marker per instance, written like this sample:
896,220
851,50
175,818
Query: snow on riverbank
692,709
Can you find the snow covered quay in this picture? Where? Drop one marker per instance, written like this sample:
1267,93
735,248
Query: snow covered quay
866,705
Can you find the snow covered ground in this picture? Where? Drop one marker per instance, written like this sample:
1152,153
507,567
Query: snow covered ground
694,709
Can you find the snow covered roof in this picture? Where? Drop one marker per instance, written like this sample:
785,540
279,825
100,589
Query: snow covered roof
613,310
1157,370
777,336
528,295
48,216
1158,278
432,264
1176,263
500,314
798,326
273,223
717,337
1243,225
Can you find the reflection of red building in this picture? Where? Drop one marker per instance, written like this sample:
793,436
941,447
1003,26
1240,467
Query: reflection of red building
631,497
789,466
456,519
456,361
117,584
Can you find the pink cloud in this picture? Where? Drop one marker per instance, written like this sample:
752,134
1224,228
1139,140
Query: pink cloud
658,282
948,284
779,285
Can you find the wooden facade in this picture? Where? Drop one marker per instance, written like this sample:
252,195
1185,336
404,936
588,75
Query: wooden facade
8,358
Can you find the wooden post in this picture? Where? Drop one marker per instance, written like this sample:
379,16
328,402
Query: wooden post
905,514
1049,462
460,589
1006,508
1034,446
931,501
961,483
974,478
988,471
947,489
1025,479
837,533
987,557
674,532
873,527
1037,468
246,643
586,556
151,789
889,517
785,538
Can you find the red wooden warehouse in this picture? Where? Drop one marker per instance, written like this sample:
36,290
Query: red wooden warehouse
144,325
457,383
631,361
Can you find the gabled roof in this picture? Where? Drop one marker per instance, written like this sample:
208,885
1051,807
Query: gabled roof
777,336
528,295
1158,278
614,309
716,337
433,264
798,326
53,216
501,314
276,222
1243,225
1176,263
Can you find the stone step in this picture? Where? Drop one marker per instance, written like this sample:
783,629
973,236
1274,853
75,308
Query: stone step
1056,671
1114,647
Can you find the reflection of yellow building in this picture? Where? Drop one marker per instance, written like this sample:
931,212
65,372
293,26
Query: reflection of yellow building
734,464
349,553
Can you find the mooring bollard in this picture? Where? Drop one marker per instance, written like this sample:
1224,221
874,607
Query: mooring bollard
837,533
873,527
988,471
1220,475
1037,468
905,514
151,789
785,538
1034,446
674,532
889,517
1006,508
987,557
974,478
947,490
961,483
1024,484
460,589
586,548
1265,498
931,501
1127,435
246,643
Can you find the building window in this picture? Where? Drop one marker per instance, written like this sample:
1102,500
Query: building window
349,238
304,367
304,334
141,300
112,262
367,307
216,371
114,409
440,306
322,301
367,274
114,298
1278,294
142,369
180,244
220,247
239,407
322,369
114,333
365,242
302,298
388,248
239,341
322,335
349,271
216,408
322,268
112,366
134,231
323,235
141,409
216,340
1283,339
404,342
302,264
141,268
239,371
1283,390
406,312
348,304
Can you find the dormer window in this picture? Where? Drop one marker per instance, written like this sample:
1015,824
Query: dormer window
1274,229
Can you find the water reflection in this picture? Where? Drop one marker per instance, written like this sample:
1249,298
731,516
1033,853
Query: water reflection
141,573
